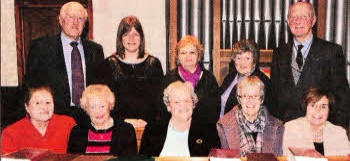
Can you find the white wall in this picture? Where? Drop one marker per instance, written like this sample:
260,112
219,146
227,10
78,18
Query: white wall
9,75
108,13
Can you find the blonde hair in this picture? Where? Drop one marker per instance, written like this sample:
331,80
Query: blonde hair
249,81
97,90
189,40
176,86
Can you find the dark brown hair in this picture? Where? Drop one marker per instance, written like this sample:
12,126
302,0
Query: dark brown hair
243,46
125,26
314,94
31,89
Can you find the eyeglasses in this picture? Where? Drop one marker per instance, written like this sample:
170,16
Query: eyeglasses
303,18
72,18
186,102
249,97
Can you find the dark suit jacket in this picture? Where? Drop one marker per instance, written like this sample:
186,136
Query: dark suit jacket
45,64
232,99
201,138
324,67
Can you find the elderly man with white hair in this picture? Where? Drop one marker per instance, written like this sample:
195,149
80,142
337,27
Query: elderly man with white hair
179,135
66,61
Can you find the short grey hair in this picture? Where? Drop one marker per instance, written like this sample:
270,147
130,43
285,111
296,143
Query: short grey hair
70,4
251,81
178,85
311,7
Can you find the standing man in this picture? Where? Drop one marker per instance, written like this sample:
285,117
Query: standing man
67,62
306,62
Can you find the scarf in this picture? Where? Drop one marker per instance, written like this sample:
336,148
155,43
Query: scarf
246,130
191,77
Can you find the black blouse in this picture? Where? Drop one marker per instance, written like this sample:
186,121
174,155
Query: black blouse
137,87
123,141
319,147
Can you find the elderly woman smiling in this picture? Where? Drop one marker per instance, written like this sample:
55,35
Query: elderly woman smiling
245,60
104,135
248,126
41,128
314,131
179,135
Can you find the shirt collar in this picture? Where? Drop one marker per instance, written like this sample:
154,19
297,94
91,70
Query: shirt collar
67,39
306,43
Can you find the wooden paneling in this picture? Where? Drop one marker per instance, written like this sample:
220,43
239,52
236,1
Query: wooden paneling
173,32
321,19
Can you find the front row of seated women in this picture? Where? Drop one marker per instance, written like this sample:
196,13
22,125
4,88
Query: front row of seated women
248,127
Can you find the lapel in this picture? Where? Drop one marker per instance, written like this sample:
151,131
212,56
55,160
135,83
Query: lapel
269,135
227,81
287,58
61,68
88,59
310,59
231,130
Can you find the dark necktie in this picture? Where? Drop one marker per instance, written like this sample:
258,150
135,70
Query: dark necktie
299,59
77,74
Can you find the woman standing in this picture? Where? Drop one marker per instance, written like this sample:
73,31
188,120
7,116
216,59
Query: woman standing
189,53
245,63
134,75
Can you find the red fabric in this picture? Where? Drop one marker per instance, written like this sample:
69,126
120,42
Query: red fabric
23,134
98,149
100,137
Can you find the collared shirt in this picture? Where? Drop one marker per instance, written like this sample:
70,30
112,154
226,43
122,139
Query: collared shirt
227,93
306,47
305,52
67,51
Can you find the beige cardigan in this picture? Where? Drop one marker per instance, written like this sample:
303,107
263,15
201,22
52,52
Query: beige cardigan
298,134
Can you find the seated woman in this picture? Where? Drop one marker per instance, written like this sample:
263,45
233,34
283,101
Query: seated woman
248,126
41,128
189,55
104,135
314,131
179,135
245,62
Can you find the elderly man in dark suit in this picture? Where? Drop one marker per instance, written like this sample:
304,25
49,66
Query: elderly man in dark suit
67,62
306,62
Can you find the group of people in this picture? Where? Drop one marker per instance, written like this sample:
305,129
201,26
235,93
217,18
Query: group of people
79,102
